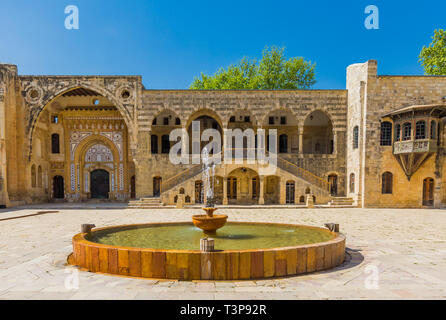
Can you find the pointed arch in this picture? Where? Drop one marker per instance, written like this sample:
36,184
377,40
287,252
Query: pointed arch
50,97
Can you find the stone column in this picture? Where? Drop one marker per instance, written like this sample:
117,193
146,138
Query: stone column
143,166
261,191
149,145
335,142
301,140
225,191
282,188
185,146
437,193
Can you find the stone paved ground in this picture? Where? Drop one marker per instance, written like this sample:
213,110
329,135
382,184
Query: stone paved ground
406,249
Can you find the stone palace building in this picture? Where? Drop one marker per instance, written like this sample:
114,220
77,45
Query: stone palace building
379,143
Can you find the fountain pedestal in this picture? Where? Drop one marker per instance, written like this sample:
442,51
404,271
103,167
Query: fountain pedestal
209,222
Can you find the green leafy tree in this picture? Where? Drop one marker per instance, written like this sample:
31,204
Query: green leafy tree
433,58
273,71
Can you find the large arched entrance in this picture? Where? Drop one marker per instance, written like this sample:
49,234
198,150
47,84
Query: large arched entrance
206,122
100,184
82,123
318,134
243,186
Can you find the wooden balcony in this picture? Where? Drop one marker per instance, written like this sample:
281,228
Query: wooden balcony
415,146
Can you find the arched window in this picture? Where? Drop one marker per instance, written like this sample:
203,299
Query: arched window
386,133
420,130
355,137
165,144
398,132
283,143
232,119
55,148
307,190
433,129
352,183
154,143
39,177
407,131
302,199
387,182
177,121
33,176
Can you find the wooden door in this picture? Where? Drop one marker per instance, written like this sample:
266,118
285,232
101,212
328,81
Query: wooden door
198,191
333,182
290,188
232,188
428,192
156,186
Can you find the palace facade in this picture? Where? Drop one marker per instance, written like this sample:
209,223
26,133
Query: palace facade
378,143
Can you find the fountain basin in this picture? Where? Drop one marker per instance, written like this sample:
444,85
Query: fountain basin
209,224
253,262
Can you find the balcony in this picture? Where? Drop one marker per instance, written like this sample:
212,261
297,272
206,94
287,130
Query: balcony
415,146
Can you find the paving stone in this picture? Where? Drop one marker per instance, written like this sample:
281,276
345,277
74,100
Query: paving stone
406,246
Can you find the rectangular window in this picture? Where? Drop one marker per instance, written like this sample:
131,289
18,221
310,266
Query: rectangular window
282,120
247,119
166,121
386,134
271,120
55,119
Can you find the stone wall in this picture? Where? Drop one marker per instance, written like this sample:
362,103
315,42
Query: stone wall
259,105
385,94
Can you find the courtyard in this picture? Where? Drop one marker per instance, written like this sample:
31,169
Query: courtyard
392,254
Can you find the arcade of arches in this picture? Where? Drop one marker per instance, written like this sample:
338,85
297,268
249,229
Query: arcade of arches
106,138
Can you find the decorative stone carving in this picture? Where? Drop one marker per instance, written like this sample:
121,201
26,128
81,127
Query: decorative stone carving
99,153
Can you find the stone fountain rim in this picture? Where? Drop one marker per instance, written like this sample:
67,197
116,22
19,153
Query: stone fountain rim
81,238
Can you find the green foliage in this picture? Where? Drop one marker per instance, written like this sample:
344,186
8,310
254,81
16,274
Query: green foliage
273,71
433,58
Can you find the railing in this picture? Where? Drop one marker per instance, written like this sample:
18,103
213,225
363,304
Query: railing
181,177
415,146
281,163
302,173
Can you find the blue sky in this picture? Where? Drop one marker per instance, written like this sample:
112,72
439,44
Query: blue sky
170,42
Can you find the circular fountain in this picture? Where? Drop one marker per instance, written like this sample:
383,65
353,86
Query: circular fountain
243,250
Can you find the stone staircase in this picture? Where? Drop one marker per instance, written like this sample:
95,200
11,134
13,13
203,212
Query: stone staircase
145,203
342,202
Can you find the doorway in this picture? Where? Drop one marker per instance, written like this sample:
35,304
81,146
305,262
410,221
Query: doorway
333,183
428,192
156,186
290,188
198,191
58,187
132,187
100,184
232,188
